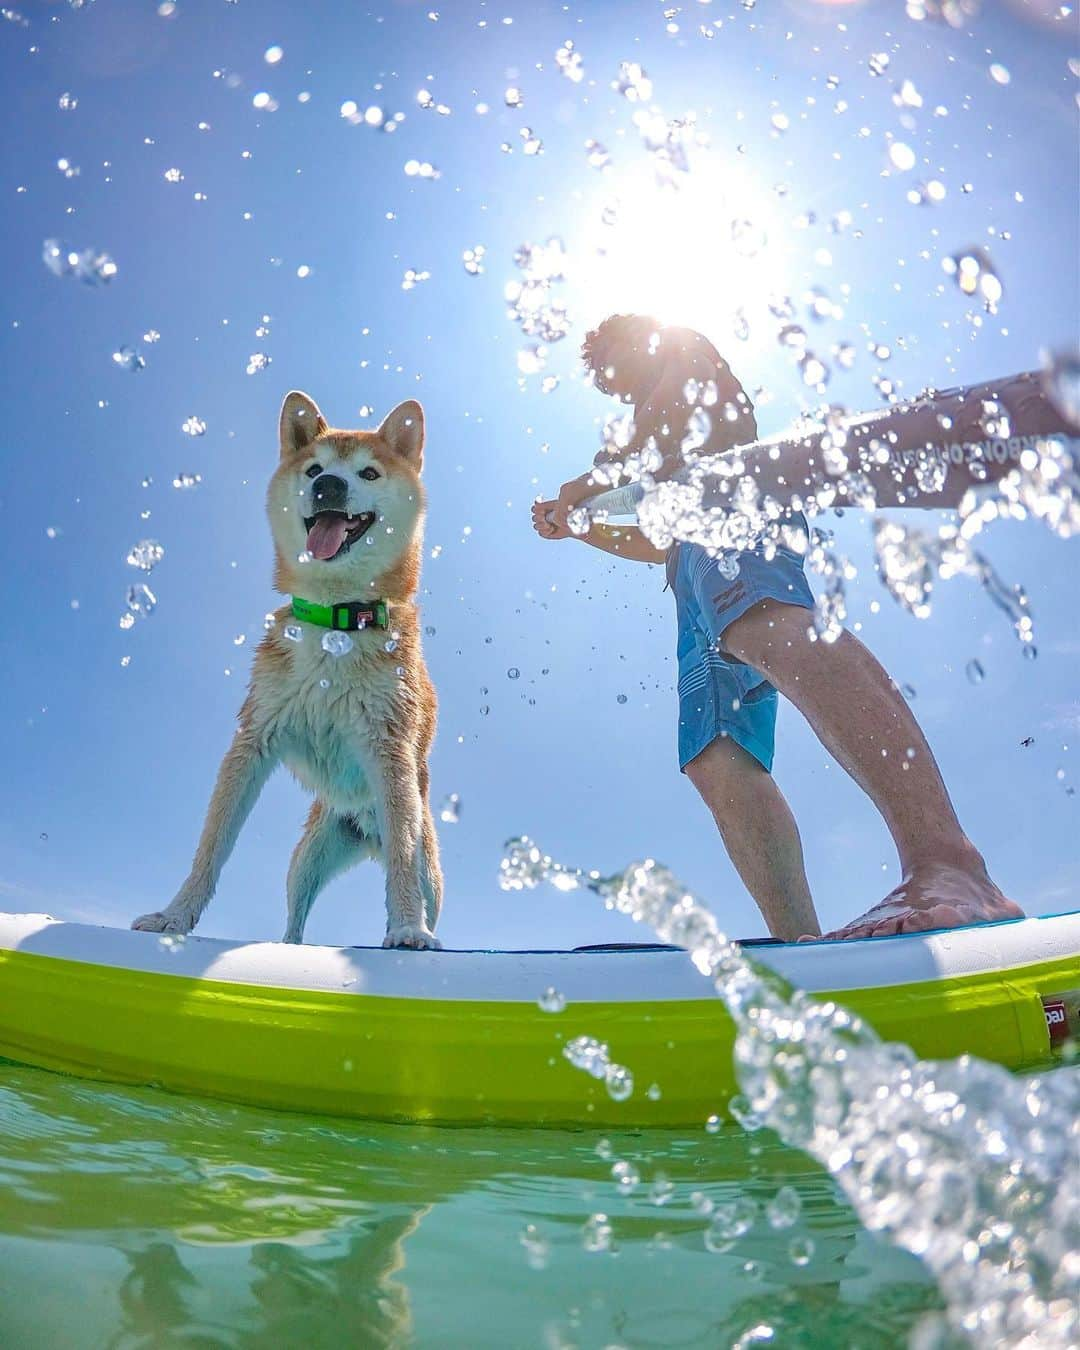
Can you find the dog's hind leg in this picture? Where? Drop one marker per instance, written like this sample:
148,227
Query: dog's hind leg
330,843
243,773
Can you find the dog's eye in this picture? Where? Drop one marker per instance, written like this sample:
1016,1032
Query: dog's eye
313,470
370,474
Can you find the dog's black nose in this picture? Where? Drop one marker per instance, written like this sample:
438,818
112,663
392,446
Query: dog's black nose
329,493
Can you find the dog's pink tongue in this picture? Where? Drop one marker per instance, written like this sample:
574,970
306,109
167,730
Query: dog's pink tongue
326,536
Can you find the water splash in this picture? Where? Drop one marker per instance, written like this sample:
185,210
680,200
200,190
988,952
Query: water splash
531,302
909,559
969,1168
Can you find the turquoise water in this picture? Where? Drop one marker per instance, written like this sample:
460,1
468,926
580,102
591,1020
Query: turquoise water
134,1218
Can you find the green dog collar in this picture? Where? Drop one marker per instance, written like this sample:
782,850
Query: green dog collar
351,615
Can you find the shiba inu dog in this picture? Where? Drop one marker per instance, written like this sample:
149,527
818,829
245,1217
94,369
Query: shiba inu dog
339,692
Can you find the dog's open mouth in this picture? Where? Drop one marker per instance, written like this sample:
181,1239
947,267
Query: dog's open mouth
333,532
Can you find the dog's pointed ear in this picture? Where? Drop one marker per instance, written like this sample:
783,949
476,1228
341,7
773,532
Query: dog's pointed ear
403,431
301,421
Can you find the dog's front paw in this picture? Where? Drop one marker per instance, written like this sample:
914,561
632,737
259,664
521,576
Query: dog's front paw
412,935
162,923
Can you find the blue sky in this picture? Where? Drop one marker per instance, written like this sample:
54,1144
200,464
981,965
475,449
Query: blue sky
109,765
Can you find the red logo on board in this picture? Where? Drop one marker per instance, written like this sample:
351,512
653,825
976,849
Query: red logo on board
1057,1021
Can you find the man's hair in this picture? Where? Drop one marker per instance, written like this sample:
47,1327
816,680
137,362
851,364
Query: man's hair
618,332
626,341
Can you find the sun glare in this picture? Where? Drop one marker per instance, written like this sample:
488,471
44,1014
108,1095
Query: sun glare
696,254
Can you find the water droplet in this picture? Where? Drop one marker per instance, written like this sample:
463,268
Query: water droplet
994,420
141,601
569,62
973,272
625,1175
537,1248
450,810
814,371
845,355
801,1250
632,82
145,555
193,426
619,1082
513,97
784,1208
596,1234
728,1221
551,1000
473,259
727,564
90,266
741,1110
257,361
336,644
879,63
513,673
974,671
67,102
620,698
597,155
662,1190
129,359
901,156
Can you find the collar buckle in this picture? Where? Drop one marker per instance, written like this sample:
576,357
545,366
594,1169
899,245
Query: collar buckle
357,615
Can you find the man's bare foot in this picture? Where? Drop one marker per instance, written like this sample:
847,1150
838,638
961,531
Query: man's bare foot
935,895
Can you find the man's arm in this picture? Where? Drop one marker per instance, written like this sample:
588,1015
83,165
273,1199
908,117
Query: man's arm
622,541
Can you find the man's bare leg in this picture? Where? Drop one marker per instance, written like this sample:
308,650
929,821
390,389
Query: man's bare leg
864,721
759,833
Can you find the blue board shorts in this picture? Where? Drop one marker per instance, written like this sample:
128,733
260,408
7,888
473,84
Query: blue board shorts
718,694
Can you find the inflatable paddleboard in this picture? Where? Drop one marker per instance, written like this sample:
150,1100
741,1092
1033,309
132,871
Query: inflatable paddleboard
459,1037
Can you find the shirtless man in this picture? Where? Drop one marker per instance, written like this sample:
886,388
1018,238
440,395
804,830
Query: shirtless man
741,640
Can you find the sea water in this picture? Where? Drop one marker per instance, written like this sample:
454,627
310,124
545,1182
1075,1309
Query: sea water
130,1217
